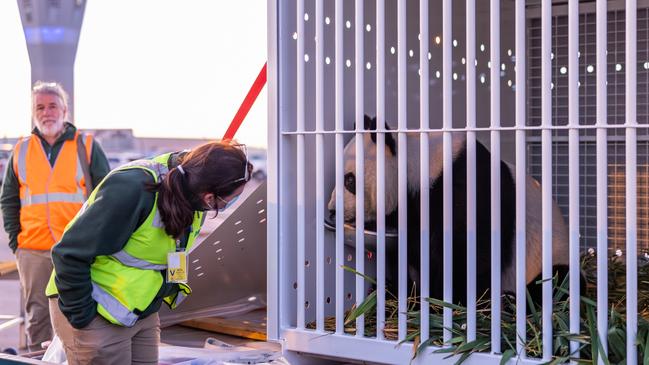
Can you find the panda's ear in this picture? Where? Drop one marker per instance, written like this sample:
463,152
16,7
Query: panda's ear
369,124
389,138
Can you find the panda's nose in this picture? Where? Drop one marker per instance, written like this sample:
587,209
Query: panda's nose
332,215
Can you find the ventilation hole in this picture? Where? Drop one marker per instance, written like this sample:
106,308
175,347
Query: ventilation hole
216,243
618,67
327,20
328,300
463,60
591,68
198,268
306,304
306,17
240,231
393,50
200,274
218,258
328,259
368,28
503,67
482,47
429,56
242,239
219,250
438,40
327,60
455,43
370,255
262,220
563,70
295,35
368,66
454,76
349,296
260,201
306,58
348,63
195,261
509,82
509,52
348,24
294,285
307,263
411,53
438,74
350,257
237,223
261,211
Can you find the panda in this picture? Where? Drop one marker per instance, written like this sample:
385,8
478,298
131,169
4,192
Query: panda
560,247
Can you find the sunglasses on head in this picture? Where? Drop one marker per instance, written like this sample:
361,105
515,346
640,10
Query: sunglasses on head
246,173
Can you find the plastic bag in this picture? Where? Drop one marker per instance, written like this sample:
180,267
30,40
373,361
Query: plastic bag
55,352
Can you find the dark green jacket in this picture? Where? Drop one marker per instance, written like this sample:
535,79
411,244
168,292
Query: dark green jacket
10,196
122,204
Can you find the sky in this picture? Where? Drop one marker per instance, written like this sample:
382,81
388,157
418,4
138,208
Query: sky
164,68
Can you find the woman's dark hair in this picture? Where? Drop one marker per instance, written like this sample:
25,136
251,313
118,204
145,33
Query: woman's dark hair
216,167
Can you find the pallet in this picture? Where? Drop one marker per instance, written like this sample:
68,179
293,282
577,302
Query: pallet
251,325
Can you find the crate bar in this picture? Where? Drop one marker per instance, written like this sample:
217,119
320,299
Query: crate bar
402,165
319,163
273,259
573,174
521,215
369,350
301,171
380,168
471,170
602,213
631,187
424,170
360,163
546,170
447,115
340,188
494,32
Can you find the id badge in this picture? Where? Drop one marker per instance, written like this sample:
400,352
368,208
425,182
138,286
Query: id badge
177,267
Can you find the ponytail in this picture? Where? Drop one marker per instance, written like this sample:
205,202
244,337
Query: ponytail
175,206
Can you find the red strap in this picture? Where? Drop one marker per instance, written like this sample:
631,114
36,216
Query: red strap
247,104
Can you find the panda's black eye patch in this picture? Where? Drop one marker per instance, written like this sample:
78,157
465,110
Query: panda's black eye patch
350,182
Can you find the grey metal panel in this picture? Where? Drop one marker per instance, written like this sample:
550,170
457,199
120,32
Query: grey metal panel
227,270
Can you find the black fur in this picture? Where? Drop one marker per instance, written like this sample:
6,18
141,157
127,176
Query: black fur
483,226
370,125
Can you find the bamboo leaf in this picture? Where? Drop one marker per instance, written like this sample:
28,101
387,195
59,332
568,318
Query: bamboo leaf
347,268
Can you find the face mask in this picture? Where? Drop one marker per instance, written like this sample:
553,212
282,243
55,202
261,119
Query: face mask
227,204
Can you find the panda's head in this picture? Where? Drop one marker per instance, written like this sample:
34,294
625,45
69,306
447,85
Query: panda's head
370,181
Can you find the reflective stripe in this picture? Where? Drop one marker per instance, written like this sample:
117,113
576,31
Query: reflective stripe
52,198
22,159
157,220
159,168
127,259
116,309
179,299
79,175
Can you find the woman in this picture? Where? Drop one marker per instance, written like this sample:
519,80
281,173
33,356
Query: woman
119,257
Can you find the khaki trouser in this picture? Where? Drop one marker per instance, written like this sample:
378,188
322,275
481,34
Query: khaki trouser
102,342
34,270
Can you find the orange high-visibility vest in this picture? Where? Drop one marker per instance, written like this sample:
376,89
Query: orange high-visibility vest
49,196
